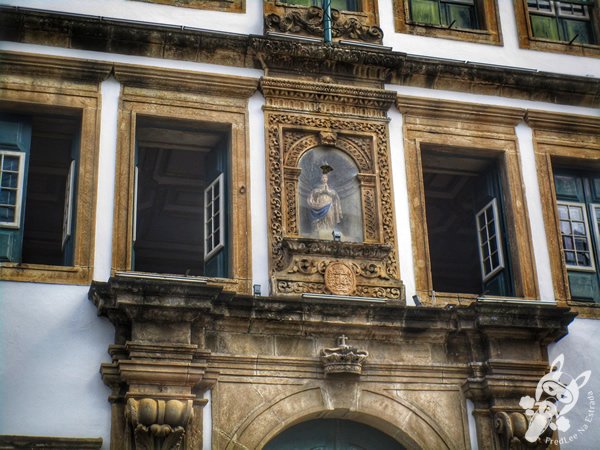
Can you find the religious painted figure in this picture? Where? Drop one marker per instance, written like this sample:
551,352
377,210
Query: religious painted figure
325,207
329,195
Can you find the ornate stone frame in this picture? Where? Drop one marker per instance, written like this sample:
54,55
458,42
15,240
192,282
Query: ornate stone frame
489,34
572,141
27,81
237,6
527,40
307,21
301,116
484,130
203,98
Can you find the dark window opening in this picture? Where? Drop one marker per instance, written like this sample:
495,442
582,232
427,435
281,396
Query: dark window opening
38,187
458,14
181,198
465,224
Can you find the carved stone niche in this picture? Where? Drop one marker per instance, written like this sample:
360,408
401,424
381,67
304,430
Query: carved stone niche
329,170
308,21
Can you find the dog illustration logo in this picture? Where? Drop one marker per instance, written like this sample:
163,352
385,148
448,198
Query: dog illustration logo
556,394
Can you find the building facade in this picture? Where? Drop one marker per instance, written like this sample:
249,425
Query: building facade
220,231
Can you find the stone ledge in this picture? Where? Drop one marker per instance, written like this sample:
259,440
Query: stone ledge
9,442
291,56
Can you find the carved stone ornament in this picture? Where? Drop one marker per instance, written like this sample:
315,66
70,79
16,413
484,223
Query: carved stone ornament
158,424
343,358
340,279
511,429
309,21
304,116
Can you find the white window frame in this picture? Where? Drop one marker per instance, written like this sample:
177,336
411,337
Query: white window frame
494,204
209,196
594,207
583,207
68,211
16,224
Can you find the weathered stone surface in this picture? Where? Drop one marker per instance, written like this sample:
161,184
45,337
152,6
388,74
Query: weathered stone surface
422,363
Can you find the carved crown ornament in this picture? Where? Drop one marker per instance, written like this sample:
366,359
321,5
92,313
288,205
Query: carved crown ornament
343,359
330,202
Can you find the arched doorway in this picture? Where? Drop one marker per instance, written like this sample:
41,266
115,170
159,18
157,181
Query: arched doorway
332,434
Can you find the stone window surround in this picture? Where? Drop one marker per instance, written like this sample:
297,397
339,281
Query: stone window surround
188,96
565,141
487,131
27,81
488,11
236,6
527,40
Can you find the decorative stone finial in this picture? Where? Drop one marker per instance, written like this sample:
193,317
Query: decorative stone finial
343,358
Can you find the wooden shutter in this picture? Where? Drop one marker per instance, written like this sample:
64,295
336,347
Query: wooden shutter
15,144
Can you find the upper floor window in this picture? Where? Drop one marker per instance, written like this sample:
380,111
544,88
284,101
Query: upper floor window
39,156
566,21
342,5
449,13
559,26
469,20
578,205
218,5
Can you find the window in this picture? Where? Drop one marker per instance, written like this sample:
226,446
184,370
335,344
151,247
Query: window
450,13
578,206
180,224
38,175
561,20
182,204
471,20
342,5
466,224
559,26
218,5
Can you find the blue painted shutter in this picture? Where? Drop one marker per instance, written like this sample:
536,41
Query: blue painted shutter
15,144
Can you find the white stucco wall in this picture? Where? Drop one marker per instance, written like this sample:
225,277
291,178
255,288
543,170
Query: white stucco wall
51,347
580,350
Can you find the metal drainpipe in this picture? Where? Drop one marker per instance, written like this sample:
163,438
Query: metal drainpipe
327,21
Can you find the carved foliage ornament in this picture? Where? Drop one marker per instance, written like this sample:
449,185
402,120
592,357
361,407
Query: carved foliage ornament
158,424
309,21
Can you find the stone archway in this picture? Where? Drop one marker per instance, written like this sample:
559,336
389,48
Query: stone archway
401,420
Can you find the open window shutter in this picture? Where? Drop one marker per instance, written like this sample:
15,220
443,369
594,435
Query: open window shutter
214,218
15,143
68,229
489,219
425,11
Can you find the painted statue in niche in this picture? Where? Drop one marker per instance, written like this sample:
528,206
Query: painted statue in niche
329,195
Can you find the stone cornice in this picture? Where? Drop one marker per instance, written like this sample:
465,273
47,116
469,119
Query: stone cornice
471,112
572,123
124,300
59,443
291,56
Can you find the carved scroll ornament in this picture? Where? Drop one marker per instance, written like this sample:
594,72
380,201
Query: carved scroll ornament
158,424
511,429
310,21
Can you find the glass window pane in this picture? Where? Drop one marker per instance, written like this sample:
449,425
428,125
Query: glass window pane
425,11
563,212
545,27
7,214
10,163
581,244
9,179
565,227
578,229
576,213
568,242
583,259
